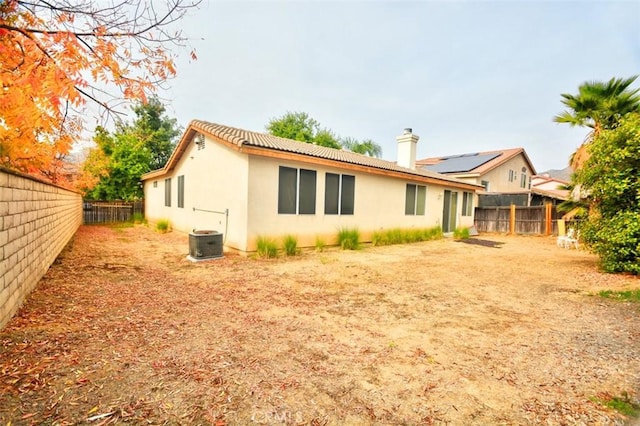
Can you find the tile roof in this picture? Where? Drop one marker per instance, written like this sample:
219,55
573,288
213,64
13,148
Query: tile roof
499,157
241,137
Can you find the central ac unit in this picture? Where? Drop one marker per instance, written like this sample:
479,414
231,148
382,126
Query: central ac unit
205,245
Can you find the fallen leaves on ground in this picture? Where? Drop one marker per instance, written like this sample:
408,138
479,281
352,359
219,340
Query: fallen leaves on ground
123,329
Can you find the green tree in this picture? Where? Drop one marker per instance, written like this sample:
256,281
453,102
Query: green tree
301,127
611,176
599,106
113,168
128,159
156,131
294,125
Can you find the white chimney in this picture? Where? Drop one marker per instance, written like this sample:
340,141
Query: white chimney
407,149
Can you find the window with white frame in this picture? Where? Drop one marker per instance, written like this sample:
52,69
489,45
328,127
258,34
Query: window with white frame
415,200
167,192
467,203
296,191
181,191
339,194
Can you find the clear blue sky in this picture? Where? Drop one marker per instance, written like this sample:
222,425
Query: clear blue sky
466,76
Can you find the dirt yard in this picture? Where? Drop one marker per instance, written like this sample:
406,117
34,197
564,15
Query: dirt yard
124,329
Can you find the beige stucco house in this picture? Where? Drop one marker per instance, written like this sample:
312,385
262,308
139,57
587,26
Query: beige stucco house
551,188
247,184
505,170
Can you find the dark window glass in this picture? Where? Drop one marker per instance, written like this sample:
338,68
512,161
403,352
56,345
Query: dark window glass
331,193
467,203
307,192
181,191
287,194
422,200
348,194
167,192
410,200
464,203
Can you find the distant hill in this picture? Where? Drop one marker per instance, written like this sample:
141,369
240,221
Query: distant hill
563,174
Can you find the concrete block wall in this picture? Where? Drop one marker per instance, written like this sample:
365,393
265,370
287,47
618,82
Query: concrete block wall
37,220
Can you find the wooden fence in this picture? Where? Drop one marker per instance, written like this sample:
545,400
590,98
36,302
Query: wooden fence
111,211
538,220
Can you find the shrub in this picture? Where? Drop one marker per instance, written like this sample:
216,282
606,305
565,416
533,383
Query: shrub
377,239
163,226
434,233
461,233
401,236
290,245
616,240
267,247
320,244
138,218
349,238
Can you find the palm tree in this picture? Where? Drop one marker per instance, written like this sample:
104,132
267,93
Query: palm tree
366,147
598,105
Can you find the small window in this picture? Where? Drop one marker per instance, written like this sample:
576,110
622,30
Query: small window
467,203
296,191
155,183
421,200
523,180
415,200
485,183
181,191
339,194
347,194
287,190
307,192
167,192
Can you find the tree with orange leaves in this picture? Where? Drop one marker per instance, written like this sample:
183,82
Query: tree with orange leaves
57,55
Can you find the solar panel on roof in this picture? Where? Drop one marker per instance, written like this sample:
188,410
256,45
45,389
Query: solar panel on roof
461,163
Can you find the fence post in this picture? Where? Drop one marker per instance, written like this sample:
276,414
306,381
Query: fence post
547,219
512,220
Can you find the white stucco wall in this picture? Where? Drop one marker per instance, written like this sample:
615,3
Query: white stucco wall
379,203
215,180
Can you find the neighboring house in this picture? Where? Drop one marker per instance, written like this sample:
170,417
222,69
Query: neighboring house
506,170
506,176
248,184
549,189
548,183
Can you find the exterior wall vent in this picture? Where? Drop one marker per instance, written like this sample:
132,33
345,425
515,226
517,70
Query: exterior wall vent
199,140
205,245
